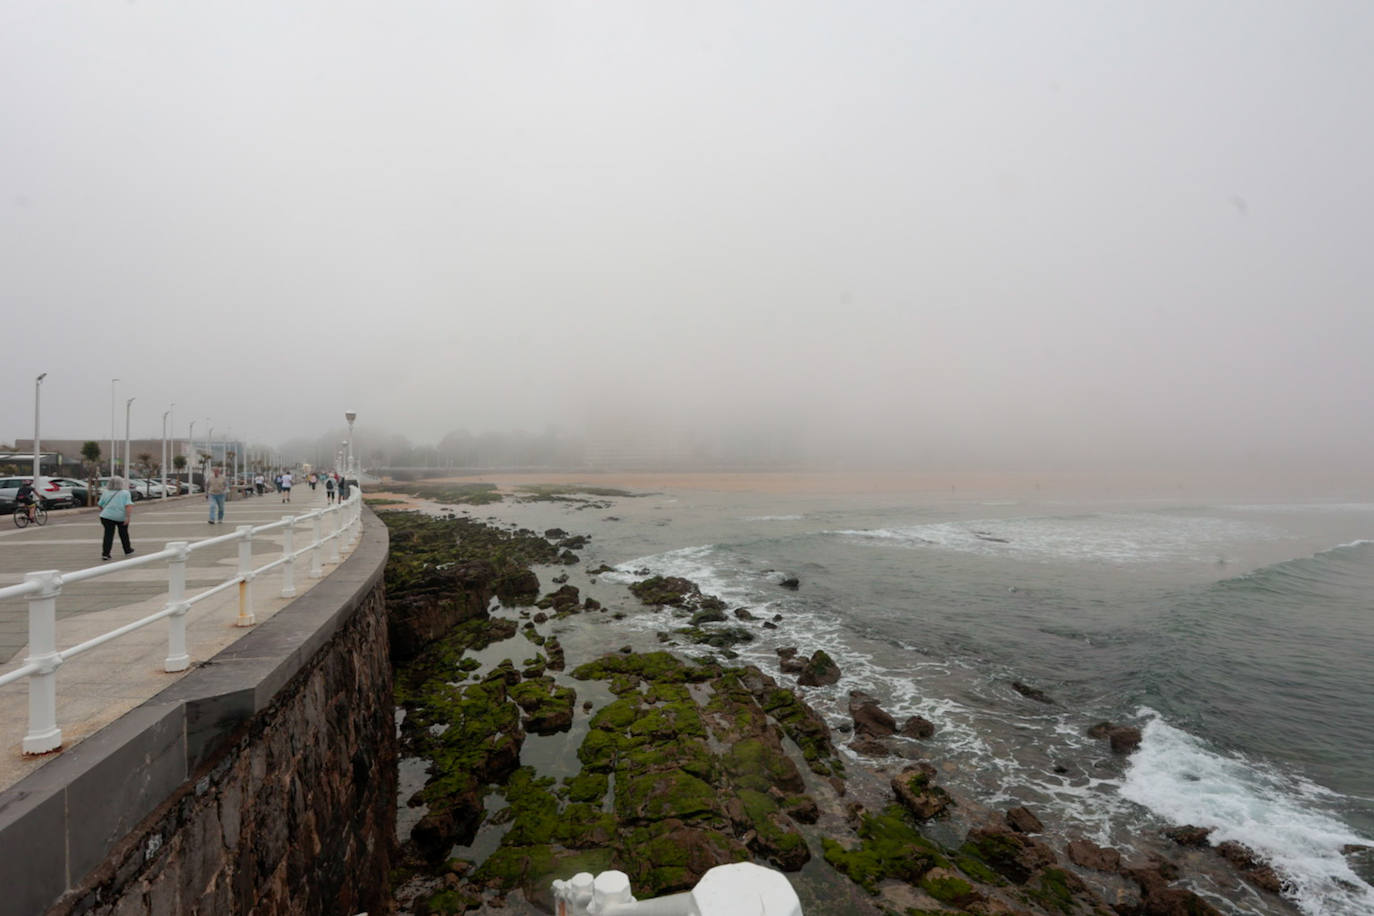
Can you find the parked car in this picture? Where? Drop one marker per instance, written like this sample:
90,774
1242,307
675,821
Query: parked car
191,488
135,491
51,494
80,489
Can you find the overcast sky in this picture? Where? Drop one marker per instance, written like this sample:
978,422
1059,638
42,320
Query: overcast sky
1026,234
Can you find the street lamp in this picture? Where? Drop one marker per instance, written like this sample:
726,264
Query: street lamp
165,414
113,382
128,406
36,384
190,459
350,416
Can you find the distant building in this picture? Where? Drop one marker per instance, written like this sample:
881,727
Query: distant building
67,452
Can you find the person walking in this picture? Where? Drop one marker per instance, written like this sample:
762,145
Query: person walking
328,489
115,514
215,489
286,487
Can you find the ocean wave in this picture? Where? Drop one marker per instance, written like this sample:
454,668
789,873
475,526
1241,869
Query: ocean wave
1120,538
1180,779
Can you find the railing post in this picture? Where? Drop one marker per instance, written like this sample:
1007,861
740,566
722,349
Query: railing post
246,619
334,541
288,575
44,735
177,659
318,524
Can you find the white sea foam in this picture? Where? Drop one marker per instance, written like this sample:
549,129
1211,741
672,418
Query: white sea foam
1181,780
1120,538
772,518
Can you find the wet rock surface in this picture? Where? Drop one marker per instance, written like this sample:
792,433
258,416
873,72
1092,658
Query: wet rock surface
678,765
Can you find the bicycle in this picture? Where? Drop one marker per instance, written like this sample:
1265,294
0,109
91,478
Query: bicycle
34,513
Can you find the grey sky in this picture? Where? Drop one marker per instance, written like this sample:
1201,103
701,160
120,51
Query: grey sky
1013,234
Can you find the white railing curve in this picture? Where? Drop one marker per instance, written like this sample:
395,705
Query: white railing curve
43,589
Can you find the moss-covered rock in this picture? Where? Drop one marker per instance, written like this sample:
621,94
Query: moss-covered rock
890,847
548,708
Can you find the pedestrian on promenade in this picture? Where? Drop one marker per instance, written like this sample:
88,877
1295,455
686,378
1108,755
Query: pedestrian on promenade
314,478
328,489
260,484
286,487
343,488
215,488
115,514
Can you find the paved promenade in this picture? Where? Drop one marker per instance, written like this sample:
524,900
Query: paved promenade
98,686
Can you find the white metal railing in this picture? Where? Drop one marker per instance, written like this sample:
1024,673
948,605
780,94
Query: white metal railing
43,588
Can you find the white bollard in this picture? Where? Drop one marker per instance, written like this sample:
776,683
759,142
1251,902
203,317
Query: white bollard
288,575
44,735
572,896
246,618
609,889
745,889
177,659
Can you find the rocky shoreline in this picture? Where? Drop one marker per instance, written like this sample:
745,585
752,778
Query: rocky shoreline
670,763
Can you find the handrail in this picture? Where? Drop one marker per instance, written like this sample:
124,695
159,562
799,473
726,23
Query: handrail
43,588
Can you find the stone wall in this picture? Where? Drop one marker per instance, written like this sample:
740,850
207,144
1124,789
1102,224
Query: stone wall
263,782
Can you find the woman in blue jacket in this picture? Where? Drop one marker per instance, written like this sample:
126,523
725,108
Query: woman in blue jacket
116,507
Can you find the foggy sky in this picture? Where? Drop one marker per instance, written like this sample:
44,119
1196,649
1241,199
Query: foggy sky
1004,234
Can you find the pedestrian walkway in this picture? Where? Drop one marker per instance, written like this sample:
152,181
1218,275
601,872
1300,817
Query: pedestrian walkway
98,686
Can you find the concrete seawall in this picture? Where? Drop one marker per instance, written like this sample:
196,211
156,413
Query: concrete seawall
264,781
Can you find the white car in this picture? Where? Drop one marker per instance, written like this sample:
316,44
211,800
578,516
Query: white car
134,489
52,494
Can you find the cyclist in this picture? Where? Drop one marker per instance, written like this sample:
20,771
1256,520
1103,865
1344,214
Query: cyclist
27,498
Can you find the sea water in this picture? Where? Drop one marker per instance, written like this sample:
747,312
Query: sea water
1238,635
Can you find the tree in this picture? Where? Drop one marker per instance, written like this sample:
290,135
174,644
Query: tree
145,461
90,458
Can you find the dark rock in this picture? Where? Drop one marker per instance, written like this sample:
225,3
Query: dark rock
708,616
540,617
788,662
1021,820
554,534
1012,855
819,671
1031,693
670,590
559,580
1087,854
1157,898
769,625
591,604
777,618
791,582
1100,730
1238,854
742,614
917,727
1124,739
918,793
869,718
869,747
1188,835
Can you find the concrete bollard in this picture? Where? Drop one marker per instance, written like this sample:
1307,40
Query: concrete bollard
740,889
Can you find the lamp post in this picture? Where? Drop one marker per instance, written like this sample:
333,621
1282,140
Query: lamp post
113,382
37,383
210,446
190,459
350,416
165,414
128,406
